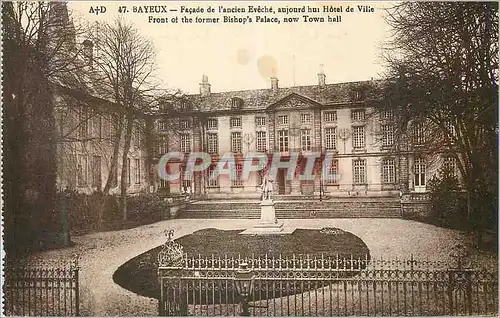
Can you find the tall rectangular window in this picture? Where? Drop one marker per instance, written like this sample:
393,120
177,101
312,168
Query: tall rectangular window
387,114
236,145
185,143
283,120
419,172
162,125
97,125
387,135
283,140
388,171
333,173
212,182
236,177
137,171
162,145
305,118
260,121
137,136
331,138
450,131
213,143
357,114
184,123
82,171
359,171
358,137
129,172
96,171
305,139
163,184
212,123
185,181
83,123
418,133
330,116
261,141
235,122
450,165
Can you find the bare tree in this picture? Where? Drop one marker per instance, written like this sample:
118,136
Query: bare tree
124,65
443,84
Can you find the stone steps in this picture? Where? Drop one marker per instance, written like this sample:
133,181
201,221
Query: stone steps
380,207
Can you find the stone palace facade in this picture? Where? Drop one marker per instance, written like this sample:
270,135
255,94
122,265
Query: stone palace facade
335,119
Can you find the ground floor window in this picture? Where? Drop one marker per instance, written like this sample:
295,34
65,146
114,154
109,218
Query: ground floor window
450,165
212,182
82,171
163,184
236,177
359,171
388,171
333,171
419,171
137,171
185,182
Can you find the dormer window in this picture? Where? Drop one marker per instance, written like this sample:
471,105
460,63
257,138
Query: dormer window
236,103
184,104
165,106
357,94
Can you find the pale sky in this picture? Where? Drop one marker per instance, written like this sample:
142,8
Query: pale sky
237,57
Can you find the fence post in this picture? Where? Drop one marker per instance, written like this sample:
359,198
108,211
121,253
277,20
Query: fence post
171,262
76,269
451,287
468,291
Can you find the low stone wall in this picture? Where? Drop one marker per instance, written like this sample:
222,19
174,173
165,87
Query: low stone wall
415,206
176,206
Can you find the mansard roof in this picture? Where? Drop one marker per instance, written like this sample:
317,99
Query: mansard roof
262,99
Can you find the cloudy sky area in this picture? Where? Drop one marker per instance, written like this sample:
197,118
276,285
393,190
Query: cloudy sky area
237,57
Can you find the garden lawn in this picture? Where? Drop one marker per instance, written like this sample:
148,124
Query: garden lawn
140,274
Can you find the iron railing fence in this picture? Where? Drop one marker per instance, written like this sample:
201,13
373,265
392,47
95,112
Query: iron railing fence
327,286
41,289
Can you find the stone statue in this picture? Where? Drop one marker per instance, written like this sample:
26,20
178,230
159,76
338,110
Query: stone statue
266,188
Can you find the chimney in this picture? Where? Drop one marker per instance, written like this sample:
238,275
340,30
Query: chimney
321,77
274,84
88,48
204,86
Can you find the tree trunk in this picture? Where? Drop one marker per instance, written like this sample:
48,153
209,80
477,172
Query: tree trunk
114,157
125,168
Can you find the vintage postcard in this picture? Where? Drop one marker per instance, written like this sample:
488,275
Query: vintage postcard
249,158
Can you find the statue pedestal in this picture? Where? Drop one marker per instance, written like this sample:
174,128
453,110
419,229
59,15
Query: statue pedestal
268,224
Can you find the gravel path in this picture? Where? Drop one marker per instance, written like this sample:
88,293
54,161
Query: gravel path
102,253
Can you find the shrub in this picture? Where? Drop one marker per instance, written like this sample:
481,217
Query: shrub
98,212
448,202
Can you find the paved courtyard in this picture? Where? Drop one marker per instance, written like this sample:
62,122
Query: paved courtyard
102,253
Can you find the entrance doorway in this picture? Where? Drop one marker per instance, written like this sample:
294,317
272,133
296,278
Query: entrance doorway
281,181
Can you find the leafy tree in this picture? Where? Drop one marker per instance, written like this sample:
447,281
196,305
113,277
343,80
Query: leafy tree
442,59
